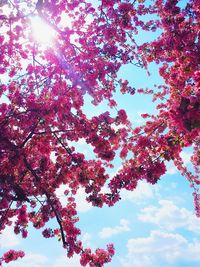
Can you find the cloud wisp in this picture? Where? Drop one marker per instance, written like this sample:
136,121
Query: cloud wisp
107,232
160,249
170,217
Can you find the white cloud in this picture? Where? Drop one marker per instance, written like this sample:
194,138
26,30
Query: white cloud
142,192
63,261
171,168
8,238
186,157
86,239
160,249
110,231
30,260
169,216
81,204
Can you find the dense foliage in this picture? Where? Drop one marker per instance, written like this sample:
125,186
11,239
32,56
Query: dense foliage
43,91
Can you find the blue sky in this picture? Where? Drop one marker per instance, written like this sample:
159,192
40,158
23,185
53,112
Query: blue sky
154,226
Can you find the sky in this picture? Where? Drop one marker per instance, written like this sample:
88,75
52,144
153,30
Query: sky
153,226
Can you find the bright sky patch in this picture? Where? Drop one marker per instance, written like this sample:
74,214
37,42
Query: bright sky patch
42,32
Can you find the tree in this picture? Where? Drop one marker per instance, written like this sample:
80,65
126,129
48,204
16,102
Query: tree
43,91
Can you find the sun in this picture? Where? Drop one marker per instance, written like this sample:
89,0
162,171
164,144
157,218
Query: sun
41,32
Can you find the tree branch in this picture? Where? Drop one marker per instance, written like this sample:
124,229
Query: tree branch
45,192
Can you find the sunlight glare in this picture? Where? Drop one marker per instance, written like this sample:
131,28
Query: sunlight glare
42,32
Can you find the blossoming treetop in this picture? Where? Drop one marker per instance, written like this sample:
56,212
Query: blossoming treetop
43,90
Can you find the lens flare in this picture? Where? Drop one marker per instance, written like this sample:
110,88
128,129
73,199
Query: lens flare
41,32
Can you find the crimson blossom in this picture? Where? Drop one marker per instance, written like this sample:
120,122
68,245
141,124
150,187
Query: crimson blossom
43,91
